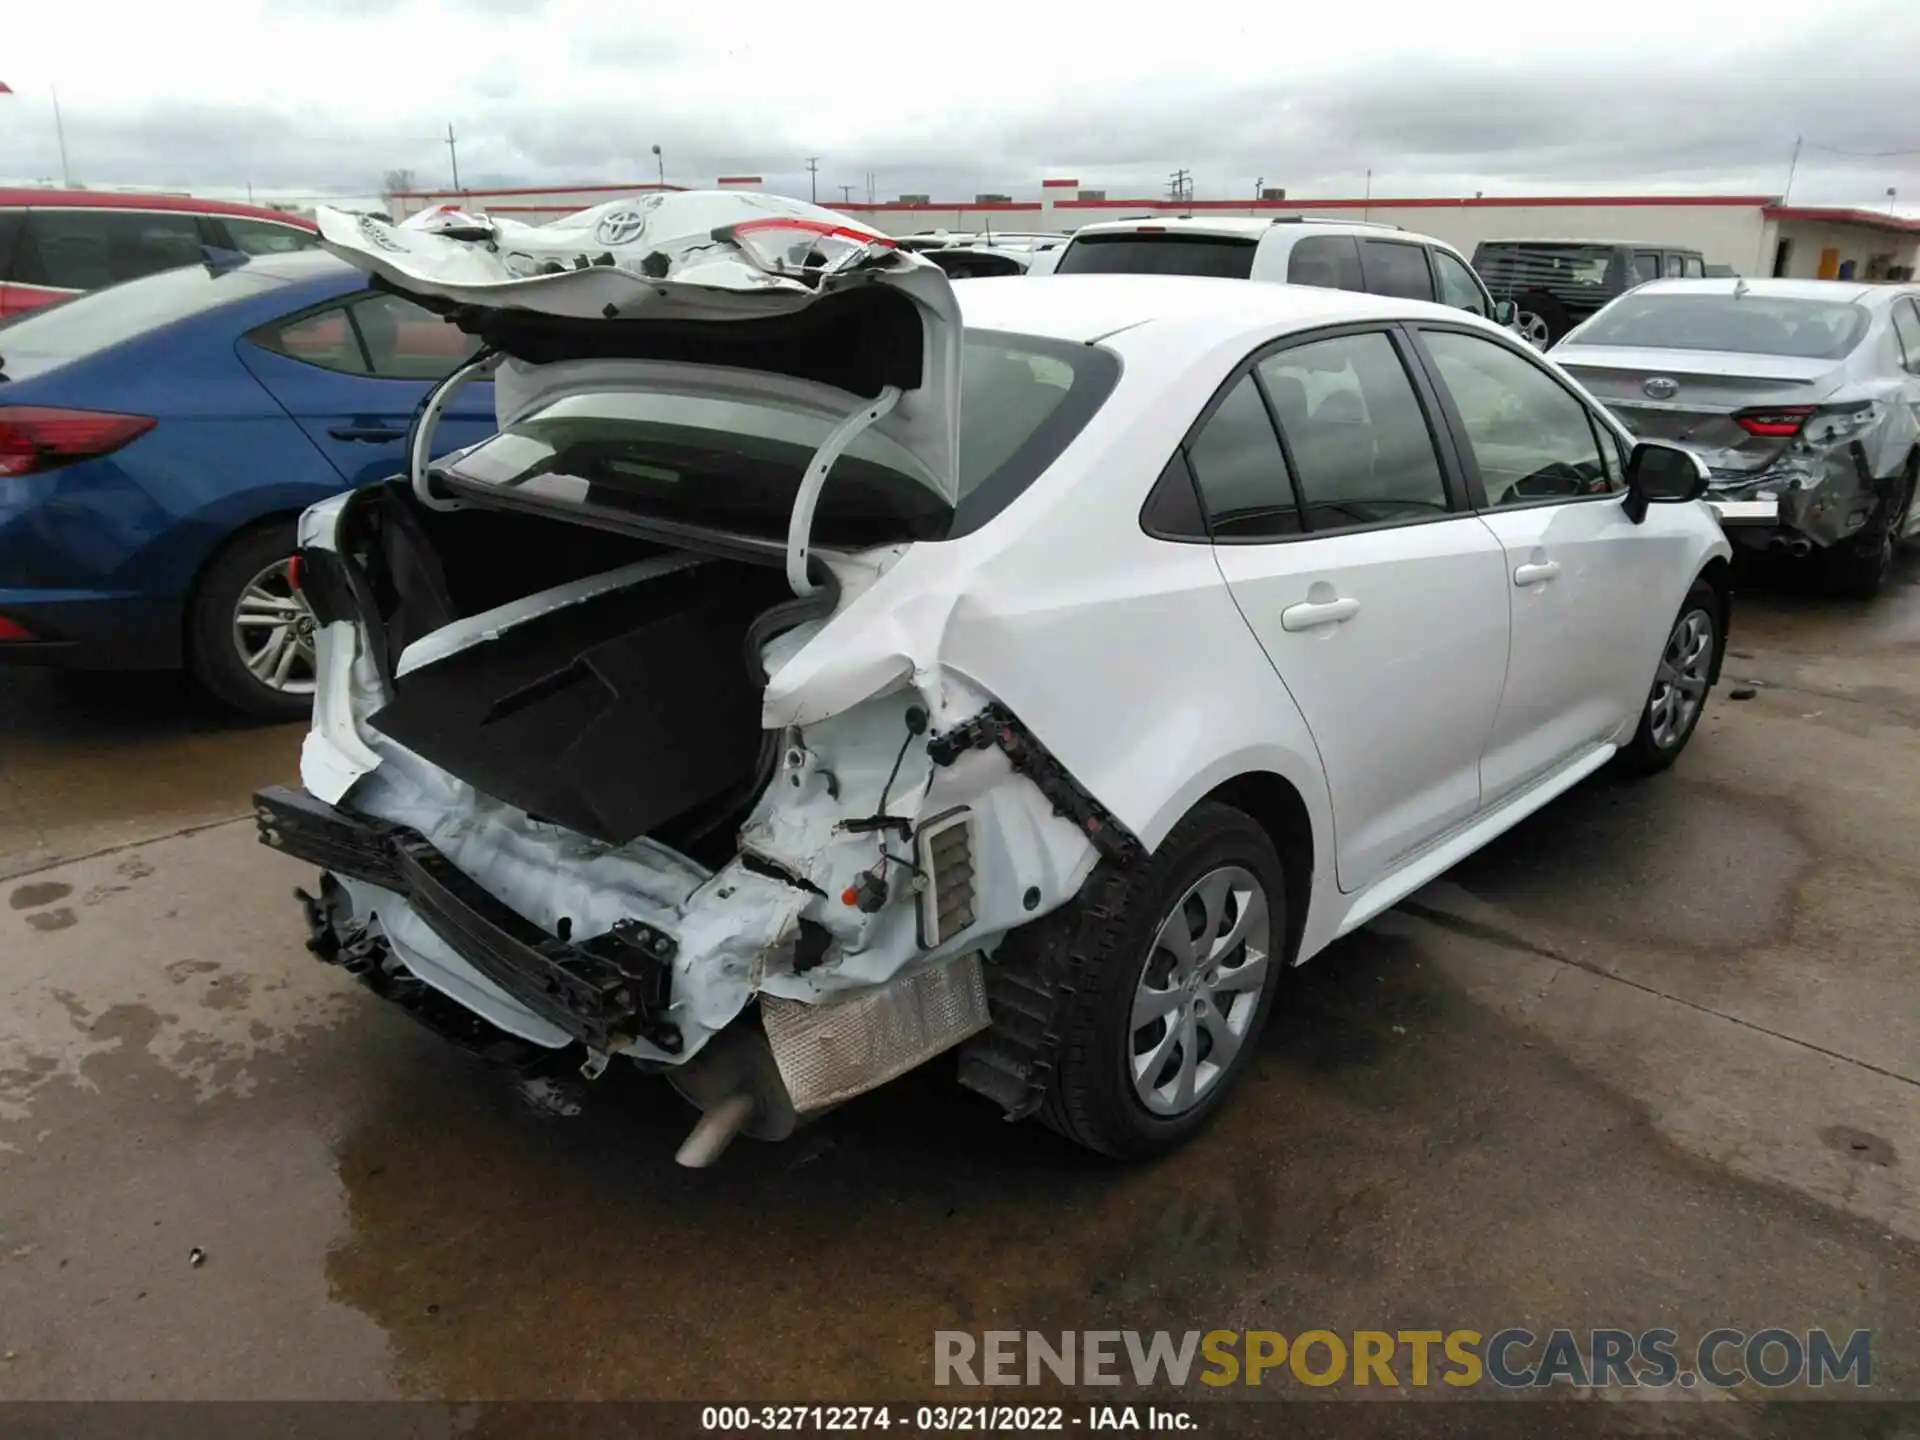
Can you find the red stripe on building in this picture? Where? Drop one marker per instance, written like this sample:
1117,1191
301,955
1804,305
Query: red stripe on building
1059,184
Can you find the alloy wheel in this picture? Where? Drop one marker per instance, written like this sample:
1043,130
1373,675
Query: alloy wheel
273,632
1535,328
1680,684
1199,991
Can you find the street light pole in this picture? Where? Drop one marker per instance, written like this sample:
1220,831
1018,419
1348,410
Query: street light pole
660,164
60,133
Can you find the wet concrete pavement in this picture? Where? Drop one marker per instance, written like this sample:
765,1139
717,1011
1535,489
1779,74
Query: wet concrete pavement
1653,1058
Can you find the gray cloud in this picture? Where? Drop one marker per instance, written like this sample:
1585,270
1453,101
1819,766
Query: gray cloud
1504,122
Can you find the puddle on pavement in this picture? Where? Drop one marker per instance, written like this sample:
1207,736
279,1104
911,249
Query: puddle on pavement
1658,860
36,893
1397,1158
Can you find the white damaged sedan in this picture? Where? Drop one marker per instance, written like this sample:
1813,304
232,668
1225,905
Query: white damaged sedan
825,667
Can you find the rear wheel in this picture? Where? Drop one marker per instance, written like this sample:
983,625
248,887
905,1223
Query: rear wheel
249,634
1541,318
1856,568
1680,683
1180,968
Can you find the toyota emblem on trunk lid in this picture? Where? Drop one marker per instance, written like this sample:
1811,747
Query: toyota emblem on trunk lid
1659,387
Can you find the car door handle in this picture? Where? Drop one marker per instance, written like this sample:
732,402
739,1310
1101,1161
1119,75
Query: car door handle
1535,572
372,434
1311,614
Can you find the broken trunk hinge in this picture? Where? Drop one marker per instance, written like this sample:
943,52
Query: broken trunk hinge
800,521
421,451
996,726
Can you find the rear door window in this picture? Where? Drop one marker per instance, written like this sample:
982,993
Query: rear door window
1396,268
1150,253
1330,261
1361,448
379,335
1694,267
1646,264
84,249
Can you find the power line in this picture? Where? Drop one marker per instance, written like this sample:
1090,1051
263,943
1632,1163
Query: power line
1857,154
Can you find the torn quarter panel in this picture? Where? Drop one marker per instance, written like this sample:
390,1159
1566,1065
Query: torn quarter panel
697,279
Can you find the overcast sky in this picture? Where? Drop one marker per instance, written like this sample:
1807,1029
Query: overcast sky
991,95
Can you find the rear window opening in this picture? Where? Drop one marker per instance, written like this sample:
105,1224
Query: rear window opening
1745,324
1508,267
735,467
1227,257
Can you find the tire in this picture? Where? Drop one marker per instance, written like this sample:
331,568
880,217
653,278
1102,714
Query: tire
1672,710
245,570
1856,568
1113,950
1540,315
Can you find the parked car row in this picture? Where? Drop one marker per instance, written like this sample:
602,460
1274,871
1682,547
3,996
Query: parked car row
159,437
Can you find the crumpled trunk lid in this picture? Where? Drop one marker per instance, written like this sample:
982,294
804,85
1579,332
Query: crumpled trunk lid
706,281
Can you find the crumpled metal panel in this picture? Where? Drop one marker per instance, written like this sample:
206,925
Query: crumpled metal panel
830,1053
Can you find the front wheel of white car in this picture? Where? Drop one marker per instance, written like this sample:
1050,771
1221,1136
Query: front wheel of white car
1688,663
1179,956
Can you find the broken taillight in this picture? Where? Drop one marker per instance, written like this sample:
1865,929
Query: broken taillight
789,243
1779,422
41,437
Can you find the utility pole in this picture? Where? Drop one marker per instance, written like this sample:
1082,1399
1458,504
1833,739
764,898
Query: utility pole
60,133
1180,186
846,194
453,154
870,187
660,165
1366,205
813,178
1792,165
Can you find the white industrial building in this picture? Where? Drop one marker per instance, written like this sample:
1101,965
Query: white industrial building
1751,234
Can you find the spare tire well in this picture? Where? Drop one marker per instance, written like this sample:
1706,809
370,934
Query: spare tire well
1277,808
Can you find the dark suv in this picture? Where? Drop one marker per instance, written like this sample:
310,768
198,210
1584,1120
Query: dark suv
1555,284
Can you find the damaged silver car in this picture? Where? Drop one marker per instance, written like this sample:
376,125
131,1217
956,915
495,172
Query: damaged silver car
744,710
1803,397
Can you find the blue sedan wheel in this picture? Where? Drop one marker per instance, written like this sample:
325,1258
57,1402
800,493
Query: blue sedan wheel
249,633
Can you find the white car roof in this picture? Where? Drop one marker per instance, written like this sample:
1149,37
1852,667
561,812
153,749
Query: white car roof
1088,307
1833,290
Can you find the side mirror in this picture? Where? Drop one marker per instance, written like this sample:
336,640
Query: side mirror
1663,474
1504,312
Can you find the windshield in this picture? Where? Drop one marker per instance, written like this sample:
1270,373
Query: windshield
1137,253
734,466
1515,267
1747,324
102,318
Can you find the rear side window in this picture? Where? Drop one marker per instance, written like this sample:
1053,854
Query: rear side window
1240,470
1361,449
1397,269
1137,253
1696,268
263,237
1329,261
1646,265
87,249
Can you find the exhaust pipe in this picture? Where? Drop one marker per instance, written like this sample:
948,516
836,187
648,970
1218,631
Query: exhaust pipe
736,1085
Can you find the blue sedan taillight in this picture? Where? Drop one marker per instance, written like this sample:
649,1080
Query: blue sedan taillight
42,437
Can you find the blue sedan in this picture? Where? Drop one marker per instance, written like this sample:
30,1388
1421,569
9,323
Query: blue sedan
159,439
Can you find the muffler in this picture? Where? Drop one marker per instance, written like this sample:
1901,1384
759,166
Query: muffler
736,1086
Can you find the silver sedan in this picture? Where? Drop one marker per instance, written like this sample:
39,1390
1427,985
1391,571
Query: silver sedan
1803,397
